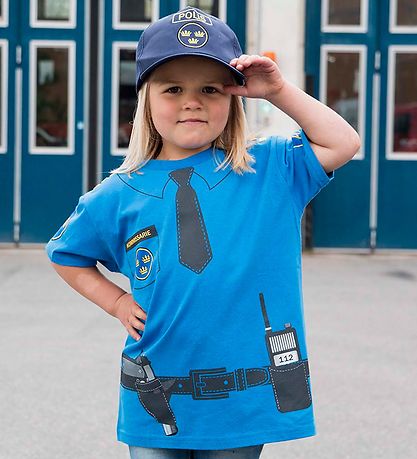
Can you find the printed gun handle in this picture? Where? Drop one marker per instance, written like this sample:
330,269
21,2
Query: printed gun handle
153,397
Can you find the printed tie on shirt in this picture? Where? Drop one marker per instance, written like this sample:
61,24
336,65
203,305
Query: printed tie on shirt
193,241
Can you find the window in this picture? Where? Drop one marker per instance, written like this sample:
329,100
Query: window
343,16
123,95
52,97
53,13
402,103
343,83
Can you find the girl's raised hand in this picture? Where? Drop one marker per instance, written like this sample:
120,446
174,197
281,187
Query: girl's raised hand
129,313
263,77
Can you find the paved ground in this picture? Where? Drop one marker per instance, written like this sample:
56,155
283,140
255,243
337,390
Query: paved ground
59,362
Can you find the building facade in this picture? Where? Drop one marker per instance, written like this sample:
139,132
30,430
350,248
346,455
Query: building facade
67,75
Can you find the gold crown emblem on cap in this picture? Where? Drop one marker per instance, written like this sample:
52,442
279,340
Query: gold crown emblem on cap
192,35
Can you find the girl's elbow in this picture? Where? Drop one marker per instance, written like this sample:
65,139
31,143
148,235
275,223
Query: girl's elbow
358,142
355,144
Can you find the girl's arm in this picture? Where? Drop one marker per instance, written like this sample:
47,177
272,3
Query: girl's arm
91,284
333,139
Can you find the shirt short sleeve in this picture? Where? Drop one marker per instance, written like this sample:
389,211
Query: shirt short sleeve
300,168
77,242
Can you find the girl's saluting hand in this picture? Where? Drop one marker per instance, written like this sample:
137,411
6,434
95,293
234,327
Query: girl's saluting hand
263,77
333,140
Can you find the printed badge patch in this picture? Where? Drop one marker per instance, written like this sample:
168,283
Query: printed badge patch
144,262
144,259
192,35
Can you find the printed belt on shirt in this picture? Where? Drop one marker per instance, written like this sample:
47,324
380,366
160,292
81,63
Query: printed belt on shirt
203,384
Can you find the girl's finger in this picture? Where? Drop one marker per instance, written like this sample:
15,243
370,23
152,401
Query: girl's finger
139,312
235,90
260,61
132,332
254,61
241,60
136,323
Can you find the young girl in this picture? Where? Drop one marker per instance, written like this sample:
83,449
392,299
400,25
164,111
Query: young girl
207,229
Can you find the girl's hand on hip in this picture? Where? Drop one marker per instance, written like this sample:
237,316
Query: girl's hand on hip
263,77
129,313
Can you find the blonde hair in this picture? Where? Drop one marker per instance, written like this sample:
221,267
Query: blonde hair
145,141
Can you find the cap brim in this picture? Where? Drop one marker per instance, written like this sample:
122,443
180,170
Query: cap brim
239,76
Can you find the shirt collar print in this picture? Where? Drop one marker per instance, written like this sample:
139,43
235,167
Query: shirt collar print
156,176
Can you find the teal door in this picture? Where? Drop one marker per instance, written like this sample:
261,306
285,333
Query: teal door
121,31
42,161
397,196
362,59
7,140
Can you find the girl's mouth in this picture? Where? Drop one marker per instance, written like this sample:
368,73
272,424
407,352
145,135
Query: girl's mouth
192,121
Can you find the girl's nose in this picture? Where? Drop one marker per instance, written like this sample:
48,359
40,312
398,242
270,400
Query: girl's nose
192,101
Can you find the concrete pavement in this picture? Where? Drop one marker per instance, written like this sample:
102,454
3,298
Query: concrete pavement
59,361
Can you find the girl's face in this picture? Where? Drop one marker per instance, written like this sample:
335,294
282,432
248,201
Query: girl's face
188,105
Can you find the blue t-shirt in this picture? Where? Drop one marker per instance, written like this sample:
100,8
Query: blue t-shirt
214,258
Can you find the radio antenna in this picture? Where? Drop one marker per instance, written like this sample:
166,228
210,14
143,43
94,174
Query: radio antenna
266,320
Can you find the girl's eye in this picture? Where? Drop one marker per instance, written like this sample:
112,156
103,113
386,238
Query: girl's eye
174,90
210,90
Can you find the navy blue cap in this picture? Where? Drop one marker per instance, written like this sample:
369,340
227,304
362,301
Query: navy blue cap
189,32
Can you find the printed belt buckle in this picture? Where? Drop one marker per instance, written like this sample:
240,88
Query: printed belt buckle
198,384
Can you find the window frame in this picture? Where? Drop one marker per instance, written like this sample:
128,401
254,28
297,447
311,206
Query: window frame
361,28
34,45
4,46
4,18
362,50
390,154
71,23
393,26
117,25
114,119
222,8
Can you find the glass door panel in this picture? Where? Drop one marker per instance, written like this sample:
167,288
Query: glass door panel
216,8
53,13
344,16
4,13
402,118
341,12
124,95
136,10
3,95
134,14
406,13
53,10
209,6
343,84
403,16
52,100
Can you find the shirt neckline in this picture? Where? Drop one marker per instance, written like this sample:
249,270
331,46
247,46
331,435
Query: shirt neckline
171,164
